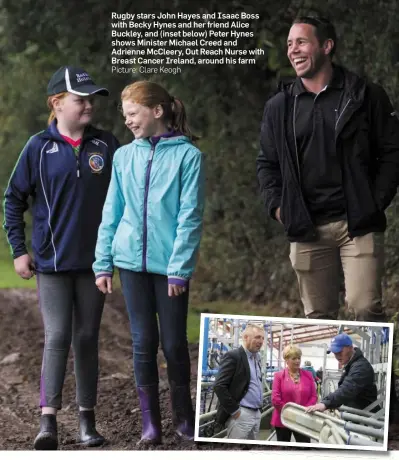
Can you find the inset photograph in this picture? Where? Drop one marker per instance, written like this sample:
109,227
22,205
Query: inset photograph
293,382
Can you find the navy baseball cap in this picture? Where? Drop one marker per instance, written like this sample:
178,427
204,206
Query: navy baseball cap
338,342
73,80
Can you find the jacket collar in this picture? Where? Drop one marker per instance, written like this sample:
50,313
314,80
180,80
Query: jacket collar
163,140
354,88
356,355
52,132
353,85
250,354
337,81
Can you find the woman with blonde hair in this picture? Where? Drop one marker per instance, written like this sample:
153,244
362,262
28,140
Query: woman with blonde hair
66,170
151,231
292,384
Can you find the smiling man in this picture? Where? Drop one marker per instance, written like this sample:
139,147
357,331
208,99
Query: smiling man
356,387
328,169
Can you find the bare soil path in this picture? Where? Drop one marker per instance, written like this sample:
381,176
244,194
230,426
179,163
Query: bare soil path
118,414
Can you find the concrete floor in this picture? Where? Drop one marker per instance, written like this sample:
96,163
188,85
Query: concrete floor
264,434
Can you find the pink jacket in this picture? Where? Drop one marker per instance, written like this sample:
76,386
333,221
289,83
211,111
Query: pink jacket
285,390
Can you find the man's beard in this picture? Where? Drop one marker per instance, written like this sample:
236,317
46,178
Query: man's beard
318,63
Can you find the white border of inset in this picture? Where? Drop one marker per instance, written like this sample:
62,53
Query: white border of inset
294,321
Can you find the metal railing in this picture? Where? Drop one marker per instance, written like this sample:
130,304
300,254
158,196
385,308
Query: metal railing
328,429
207,420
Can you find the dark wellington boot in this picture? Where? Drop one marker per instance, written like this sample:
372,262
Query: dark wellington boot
182,411
88,435
47,439
394,403
151,415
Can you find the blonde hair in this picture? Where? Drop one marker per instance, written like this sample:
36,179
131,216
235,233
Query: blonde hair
150,95
291,351
50,101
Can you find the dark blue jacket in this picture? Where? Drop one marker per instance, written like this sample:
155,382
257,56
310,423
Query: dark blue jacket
356,387
68,195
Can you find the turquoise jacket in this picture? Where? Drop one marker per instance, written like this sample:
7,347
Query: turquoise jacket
310,369
152,216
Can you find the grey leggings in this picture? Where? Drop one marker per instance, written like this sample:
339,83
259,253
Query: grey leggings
71,307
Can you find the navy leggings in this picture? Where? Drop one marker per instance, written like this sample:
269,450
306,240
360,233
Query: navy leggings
146,296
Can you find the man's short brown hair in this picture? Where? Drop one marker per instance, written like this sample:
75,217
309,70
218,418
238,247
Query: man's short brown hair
324,29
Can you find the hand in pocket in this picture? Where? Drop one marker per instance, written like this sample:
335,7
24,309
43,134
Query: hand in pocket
278,215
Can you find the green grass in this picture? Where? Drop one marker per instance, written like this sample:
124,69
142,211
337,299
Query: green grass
227,308
193,326
9,279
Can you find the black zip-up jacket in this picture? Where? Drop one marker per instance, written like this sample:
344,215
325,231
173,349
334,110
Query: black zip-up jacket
367,143
232,383
356,387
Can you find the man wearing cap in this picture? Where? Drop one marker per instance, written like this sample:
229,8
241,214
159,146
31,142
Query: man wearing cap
239,388
356,387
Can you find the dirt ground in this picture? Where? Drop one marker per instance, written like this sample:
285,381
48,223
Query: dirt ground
118,413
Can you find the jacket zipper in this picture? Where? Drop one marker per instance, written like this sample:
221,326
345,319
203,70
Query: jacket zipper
299,169
145,211
336,125
296,147
340,115
77,158
77,165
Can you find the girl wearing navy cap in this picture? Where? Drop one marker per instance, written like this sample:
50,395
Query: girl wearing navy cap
66,170
151,231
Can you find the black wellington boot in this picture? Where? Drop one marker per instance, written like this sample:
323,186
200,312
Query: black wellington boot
88,435
47,439
182,411
394,403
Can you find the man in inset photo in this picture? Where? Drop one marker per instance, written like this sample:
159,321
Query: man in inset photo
239,386
356,387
